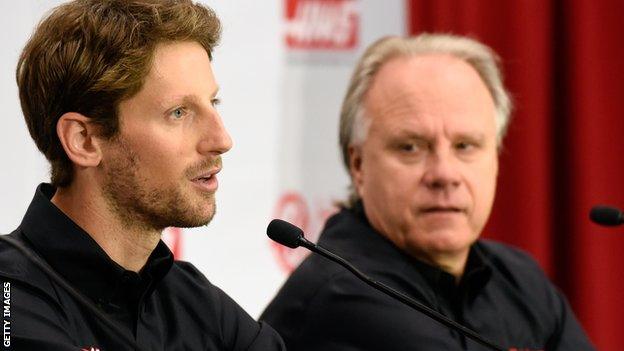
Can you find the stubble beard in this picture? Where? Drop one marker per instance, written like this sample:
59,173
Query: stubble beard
141,205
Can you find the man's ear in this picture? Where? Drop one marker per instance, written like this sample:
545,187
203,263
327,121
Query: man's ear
79,139
355,165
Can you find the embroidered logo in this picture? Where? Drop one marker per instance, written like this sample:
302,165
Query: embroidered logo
90,349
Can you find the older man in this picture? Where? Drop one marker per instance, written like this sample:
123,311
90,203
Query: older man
421,124
120,97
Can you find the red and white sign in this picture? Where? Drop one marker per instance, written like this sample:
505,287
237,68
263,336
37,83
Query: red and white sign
173,238
322,24
292,207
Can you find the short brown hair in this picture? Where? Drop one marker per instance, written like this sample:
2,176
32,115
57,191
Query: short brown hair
87,56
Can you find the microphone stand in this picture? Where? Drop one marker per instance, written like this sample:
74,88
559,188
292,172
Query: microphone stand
302,241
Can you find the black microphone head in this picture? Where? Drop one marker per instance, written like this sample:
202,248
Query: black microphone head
605,215
284,233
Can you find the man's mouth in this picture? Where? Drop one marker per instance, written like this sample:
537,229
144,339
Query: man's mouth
207,181
203,178
206,175
441,209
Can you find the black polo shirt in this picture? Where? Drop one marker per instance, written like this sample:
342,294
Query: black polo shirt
169,305
503,295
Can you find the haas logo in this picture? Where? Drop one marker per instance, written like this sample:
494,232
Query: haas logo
322,24
292,207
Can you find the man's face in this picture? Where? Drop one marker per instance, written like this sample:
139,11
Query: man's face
427,169
161,169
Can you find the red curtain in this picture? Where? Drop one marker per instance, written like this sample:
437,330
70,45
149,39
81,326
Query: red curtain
564,65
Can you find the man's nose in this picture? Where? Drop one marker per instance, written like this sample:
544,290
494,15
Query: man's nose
215,138
441,171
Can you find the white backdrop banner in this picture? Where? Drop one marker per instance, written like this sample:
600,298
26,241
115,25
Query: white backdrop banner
282,67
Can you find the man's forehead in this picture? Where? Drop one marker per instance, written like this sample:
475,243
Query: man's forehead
419,73
180,69
421,93
189,99
170,57
427,127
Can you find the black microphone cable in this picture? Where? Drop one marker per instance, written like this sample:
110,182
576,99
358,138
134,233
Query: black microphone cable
292,236
31,255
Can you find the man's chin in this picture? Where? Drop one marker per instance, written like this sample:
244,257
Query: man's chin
192,222
444,240
186,211
199,218
451,246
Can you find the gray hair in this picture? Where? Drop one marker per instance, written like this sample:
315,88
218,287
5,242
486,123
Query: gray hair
354,125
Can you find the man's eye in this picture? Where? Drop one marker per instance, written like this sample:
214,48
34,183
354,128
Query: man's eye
465,146
410,147
178,113
215,101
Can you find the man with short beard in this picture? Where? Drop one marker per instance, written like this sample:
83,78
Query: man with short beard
120,97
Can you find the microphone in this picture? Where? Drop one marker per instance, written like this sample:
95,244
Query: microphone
292,236
606,215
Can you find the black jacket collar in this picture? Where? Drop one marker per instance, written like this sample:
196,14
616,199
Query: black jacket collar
350,234
76,256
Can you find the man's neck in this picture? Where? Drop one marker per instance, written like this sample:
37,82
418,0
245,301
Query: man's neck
455,266
452,263
130,247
